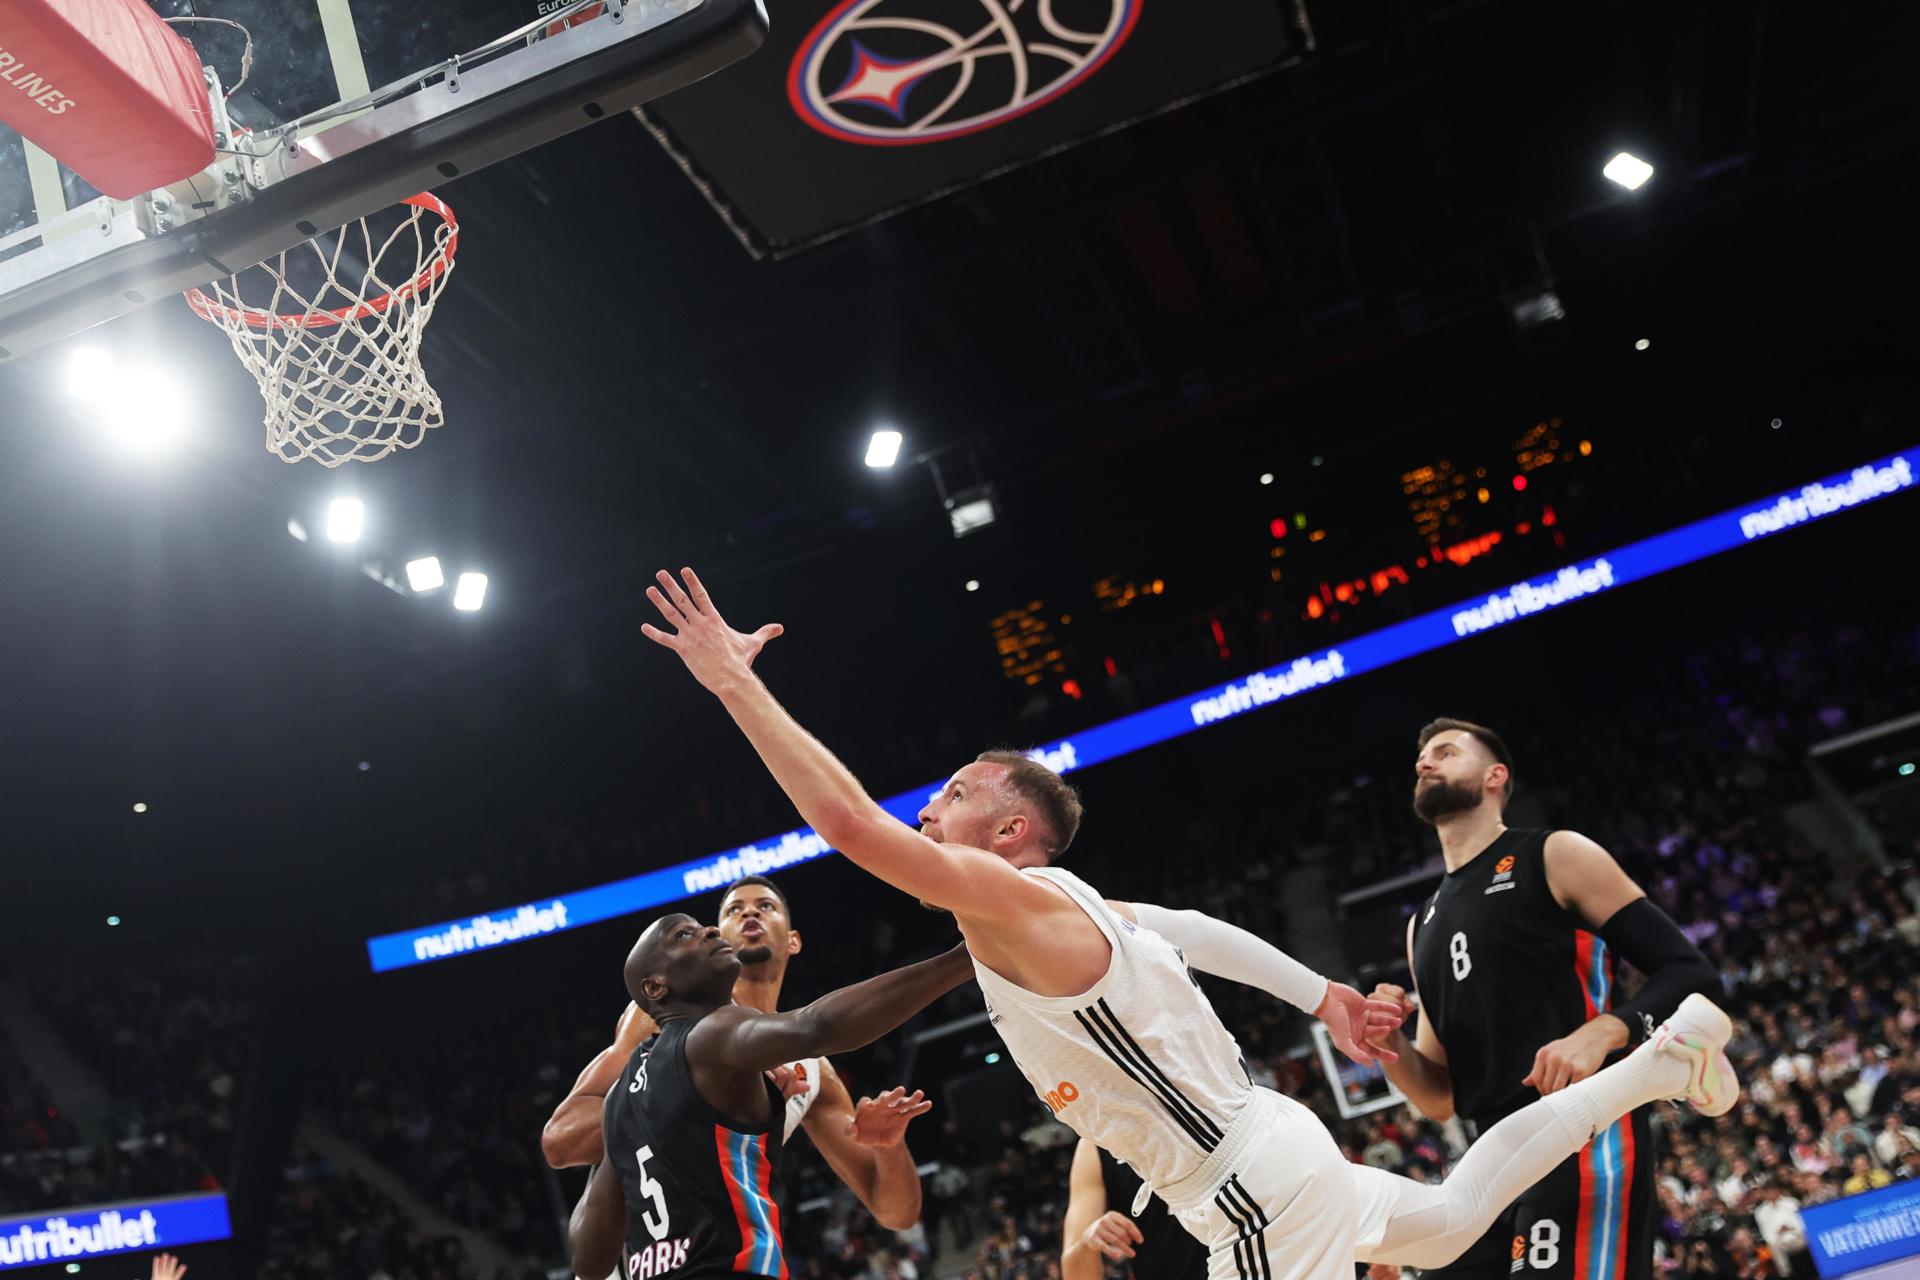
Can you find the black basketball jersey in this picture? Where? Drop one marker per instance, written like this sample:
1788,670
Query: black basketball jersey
702,1196
1502,970
1168,1251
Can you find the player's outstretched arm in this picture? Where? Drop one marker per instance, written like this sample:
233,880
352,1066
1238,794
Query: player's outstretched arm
573,1135
1586,881
866,1146
1090,1229
598,1224
826,793
736,1038
1228,951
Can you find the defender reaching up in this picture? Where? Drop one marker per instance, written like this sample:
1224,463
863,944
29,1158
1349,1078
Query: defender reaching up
863,1143
1095,1004
691,1180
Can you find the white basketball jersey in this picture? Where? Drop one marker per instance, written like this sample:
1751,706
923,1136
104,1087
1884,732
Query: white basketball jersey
1139,1063
806,1073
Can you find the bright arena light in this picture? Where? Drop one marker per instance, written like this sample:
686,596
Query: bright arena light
1629,170
972,512
140,411
140,806
1266,477
973,584
425,574
90,373
345,519
470,592
884,449
1643,344
298,530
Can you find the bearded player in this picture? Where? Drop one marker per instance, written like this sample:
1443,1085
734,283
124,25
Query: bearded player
1516,962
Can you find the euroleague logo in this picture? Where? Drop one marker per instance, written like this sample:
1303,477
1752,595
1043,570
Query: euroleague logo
905,72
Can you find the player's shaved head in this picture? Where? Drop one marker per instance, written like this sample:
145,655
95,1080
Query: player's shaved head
644,961
680,966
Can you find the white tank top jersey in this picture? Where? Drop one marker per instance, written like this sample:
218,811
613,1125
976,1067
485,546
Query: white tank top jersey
1139,1063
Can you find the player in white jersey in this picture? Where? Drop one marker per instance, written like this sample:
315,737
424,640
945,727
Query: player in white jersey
1094,1001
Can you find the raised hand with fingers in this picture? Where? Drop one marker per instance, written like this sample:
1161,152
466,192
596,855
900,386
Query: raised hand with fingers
1381,1030
716,654
1114,1234
787,1081
882,1121
167,1267
1357,1023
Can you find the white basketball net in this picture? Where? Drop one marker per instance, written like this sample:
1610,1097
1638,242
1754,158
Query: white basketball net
332,333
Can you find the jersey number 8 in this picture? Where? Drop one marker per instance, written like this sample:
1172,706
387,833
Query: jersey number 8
1544,1238
657,1228
1462,962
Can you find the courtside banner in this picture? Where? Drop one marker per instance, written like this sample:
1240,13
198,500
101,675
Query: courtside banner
858,108
70,1235
1581,580
1867,1230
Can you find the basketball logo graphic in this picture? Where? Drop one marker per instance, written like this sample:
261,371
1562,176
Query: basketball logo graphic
905,72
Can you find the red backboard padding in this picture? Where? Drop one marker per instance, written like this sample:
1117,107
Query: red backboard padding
108,89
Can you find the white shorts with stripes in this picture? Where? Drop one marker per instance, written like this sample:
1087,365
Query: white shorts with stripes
1297,1210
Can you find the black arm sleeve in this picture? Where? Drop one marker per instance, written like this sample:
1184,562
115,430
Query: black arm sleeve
1647,938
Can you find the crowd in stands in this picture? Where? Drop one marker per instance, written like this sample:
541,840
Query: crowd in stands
29,1120
172,1045
328,1224
461,1123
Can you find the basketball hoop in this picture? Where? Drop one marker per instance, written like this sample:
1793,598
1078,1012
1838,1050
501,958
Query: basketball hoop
334,346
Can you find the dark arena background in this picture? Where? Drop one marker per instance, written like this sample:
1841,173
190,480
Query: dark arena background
1269,379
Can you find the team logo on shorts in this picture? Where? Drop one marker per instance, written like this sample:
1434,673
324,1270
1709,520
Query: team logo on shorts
904,72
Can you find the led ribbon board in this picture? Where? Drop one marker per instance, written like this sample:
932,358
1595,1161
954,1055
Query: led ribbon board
1867,1230
1376,649
69,1235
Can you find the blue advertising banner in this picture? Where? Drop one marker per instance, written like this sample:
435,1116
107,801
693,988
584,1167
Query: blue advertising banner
1867,1230
95,1231
1635,562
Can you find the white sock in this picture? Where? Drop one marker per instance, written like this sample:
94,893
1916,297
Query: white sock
1431,1226
1643,1076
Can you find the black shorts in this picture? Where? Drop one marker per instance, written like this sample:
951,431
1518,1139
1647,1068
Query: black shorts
1590,1219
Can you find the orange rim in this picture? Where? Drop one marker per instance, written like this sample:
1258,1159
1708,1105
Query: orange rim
441,262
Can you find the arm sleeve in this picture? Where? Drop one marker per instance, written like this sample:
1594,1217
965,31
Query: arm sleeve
1228,951
1648,939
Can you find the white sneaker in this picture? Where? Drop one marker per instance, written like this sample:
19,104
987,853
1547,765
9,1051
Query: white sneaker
1697,1034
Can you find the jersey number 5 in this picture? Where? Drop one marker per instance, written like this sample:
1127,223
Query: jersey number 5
1462,962
656,1227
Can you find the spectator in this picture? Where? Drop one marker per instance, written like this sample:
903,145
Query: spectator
1865,1176
1896,1137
